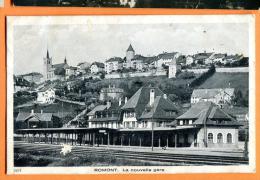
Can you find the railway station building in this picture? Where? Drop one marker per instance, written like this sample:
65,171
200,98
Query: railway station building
148,119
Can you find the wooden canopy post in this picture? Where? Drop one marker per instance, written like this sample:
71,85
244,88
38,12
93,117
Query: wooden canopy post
176,139
108,139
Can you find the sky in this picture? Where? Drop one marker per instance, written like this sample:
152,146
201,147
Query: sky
99,42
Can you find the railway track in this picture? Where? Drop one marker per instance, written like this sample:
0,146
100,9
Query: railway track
164,158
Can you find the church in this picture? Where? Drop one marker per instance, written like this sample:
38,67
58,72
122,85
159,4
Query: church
53,72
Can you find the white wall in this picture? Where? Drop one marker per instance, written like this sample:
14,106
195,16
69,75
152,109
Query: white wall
215,131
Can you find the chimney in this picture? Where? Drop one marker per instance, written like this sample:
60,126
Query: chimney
125,100
32,111
165,96
108,104
151,97
41,111
119,101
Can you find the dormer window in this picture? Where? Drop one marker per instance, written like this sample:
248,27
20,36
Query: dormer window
181,122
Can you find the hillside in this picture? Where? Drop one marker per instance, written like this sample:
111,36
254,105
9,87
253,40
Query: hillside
239,81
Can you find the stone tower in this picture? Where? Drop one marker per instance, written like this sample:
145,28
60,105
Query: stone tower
47,65
130,54
173,68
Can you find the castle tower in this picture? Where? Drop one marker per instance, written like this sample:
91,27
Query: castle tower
173,68
47,65
130,54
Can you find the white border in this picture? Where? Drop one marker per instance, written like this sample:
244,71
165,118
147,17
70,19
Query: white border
149,19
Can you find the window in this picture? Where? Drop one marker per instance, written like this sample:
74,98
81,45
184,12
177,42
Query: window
126,124
210,138
220,138
229,138
160,124
145,124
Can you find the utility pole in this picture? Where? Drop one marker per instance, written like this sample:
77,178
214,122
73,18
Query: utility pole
152,134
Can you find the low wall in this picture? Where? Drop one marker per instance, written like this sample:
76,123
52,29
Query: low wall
136,74
222,70
233,70
197,71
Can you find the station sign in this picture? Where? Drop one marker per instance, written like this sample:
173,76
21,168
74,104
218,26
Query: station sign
102,131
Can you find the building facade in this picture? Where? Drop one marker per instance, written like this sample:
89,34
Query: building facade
46,96
28,120
113,64
111,93
165,59
206,125
97,67
105,116
148,106
218,96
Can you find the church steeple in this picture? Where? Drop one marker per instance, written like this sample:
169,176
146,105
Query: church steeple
48,56
130,48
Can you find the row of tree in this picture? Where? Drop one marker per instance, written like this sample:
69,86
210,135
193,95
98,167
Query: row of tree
202,78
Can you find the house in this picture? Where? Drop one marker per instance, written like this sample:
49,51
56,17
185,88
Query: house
189,60
71,71
166,59
203,58
105,116
113,64
206,125
20,84
46,96
138,62
111,93
219,58
83,65
54,71
148,106
96,67
233,58
33,77
26,120
217,96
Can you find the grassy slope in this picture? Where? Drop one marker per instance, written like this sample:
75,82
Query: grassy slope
222,80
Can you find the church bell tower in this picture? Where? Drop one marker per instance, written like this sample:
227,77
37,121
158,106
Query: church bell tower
47,65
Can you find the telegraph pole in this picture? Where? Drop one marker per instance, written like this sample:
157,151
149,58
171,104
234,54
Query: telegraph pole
152,134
